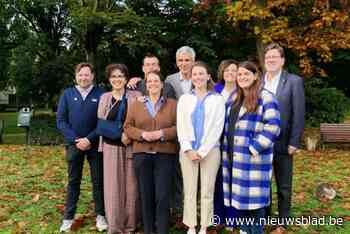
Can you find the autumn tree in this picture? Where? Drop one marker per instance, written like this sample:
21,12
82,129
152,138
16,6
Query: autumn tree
311,29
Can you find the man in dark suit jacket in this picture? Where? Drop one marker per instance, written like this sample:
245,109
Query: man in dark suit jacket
150,63
289,91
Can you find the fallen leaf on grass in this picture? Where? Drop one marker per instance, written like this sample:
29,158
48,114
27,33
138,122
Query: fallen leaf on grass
19,227
60,208
54,197
300,197
78,222
317,153
346,206
36,198
7,198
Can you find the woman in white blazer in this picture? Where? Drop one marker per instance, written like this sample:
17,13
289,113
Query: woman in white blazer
200,121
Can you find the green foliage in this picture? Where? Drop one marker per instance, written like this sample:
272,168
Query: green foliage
324,104
41,41
43,130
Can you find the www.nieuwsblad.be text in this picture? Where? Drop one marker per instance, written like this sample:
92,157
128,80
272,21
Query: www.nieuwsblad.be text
290,221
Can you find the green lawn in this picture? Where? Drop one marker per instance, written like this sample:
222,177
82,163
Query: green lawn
12,134
33,180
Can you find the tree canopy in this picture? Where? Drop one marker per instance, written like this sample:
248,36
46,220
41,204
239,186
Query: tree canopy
41,40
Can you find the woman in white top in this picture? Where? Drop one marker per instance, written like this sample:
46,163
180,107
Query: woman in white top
200,121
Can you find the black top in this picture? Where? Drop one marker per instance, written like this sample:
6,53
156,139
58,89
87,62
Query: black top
112,115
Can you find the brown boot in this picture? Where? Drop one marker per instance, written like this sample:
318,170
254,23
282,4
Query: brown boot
279,230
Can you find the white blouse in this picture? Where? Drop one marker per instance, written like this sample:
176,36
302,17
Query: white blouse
213,122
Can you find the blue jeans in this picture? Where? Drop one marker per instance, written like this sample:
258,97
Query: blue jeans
256,215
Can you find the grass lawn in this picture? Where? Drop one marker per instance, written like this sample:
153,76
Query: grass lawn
33,180
12,134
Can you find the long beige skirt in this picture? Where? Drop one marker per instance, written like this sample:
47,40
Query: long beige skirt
120,189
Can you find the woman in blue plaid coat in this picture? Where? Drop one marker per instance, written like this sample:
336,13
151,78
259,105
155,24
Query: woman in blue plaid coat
252,125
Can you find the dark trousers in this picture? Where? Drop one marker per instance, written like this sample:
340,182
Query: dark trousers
177,190
283,170
255,216
75,159
154,173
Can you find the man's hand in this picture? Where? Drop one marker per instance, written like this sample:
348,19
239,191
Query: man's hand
125,139
132,84
83,144
291,149
193,155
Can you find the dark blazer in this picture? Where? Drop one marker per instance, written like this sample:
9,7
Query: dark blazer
291,99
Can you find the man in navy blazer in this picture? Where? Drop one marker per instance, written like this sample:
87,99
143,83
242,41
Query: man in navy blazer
77,119
289,91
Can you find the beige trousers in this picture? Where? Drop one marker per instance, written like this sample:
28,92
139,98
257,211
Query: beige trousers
208,170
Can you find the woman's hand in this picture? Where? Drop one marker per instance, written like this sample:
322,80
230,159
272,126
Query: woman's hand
125,139
193,155
152,136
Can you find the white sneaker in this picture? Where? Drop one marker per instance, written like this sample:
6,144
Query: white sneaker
191,231
202,231
101,223
242,232
66,225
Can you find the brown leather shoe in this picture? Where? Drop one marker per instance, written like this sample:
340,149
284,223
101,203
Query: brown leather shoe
279,230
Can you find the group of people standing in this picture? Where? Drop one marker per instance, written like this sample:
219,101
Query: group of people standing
227,136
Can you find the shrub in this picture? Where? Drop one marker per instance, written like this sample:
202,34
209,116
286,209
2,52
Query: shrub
43,130
324,104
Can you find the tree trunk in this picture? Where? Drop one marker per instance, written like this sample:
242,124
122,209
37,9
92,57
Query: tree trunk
259,44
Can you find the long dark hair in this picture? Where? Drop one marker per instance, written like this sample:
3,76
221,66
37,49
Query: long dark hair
250,101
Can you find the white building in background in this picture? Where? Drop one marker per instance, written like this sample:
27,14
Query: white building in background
7,97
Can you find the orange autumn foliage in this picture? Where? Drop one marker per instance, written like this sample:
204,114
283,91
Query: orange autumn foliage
311,29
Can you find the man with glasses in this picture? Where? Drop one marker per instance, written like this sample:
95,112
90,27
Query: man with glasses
289,91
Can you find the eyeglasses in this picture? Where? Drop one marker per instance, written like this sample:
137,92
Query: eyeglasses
117,77
273,57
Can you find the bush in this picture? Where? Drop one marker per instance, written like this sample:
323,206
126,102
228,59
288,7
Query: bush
324,104
43,130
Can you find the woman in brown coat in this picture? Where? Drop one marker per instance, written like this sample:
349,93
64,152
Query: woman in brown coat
152,127
120,186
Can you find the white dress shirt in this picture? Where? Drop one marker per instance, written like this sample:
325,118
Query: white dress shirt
271,85
186,85
84,92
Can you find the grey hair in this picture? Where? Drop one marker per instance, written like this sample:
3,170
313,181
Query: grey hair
188,50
